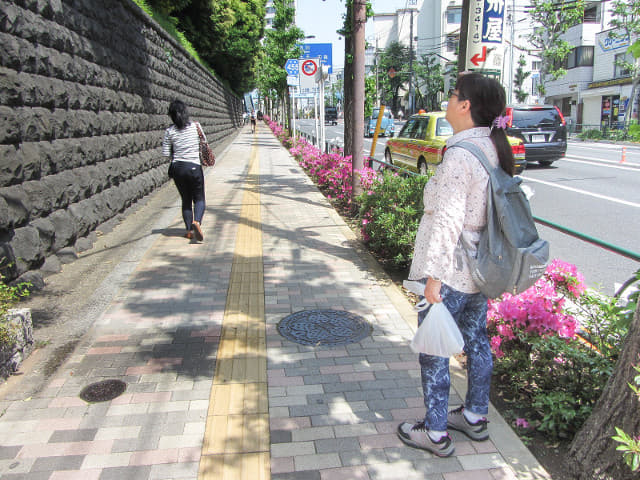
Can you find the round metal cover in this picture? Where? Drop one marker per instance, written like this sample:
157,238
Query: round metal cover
103,391
324,327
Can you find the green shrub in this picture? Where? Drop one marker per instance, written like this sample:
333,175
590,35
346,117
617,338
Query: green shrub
592,134
634,132
390,212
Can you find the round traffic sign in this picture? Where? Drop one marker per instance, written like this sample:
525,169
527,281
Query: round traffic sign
309,67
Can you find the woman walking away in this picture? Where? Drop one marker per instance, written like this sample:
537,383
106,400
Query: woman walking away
455,209
182,144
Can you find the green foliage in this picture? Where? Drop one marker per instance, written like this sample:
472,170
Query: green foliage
630,446
369,95
280,44
562,414
429,83
519,78
391,211
551,20
395,56
634,132
591,134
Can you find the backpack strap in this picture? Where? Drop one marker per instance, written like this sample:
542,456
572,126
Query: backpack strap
477,152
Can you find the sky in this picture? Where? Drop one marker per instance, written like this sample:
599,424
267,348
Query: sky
323,17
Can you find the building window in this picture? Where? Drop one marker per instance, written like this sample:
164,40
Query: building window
454,15
619,67
579,57
452,43
535,65
591,14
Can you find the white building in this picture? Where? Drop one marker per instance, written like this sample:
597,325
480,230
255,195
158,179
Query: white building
595,92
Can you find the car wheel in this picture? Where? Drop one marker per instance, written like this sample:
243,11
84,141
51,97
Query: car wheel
422,167
545,163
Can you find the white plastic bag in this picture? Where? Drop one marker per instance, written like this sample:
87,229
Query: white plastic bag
438,334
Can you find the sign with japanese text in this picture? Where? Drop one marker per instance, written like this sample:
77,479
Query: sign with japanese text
322,51
485,49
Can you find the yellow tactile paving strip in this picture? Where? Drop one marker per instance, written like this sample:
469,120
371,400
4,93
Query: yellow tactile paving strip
236,441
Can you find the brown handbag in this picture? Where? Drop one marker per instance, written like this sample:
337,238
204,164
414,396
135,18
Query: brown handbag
207,158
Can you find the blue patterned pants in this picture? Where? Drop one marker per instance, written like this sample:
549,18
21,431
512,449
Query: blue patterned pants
470,313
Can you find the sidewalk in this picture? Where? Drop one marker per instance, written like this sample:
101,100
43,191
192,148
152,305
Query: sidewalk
213,391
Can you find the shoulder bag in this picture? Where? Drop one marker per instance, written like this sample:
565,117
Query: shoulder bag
207,158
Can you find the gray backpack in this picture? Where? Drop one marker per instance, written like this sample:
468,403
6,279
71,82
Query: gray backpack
510,256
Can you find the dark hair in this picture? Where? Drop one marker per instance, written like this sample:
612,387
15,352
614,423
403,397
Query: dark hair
488,101
179,114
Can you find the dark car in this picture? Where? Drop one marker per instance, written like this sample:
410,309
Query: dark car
543,130
331,115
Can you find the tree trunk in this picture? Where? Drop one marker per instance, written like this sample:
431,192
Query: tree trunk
347,107
592,454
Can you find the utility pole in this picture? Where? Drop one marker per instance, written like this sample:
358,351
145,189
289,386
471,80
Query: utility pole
359,18
464,30
411,112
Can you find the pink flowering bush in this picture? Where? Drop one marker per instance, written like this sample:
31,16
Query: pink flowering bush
537,311
537,343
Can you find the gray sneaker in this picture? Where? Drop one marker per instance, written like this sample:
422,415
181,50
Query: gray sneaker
416,435
475,431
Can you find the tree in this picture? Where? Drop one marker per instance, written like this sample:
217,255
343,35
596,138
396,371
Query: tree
592,454
395,58
225,34
370,95
551,19
518,80
429,82
626,21
280,44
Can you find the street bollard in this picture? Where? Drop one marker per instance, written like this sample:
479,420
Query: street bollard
624,154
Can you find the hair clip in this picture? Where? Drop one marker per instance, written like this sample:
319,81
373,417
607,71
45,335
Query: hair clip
501,121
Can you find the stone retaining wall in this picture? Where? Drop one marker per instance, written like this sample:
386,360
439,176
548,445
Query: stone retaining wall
84,91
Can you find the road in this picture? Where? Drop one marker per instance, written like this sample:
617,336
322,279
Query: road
591,191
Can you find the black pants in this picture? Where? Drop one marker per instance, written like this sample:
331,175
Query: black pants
189,180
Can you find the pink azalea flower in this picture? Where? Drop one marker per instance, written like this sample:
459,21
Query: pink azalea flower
522,423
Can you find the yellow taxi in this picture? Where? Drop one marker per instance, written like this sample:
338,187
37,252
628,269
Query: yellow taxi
421,143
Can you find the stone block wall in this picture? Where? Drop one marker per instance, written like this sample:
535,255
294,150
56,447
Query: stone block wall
84,90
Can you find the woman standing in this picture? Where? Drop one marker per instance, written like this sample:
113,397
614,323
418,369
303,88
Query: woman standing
455,203
182,144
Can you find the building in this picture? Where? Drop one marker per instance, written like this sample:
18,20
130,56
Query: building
596,90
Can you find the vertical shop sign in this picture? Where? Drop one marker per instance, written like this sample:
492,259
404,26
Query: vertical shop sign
485,48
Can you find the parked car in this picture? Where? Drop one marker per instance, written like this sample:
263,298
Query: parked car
543,130
387,125
331,115
421,143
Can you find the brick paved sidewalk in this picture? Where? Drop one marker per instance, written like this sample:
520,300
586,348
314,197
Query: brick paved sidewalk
193,334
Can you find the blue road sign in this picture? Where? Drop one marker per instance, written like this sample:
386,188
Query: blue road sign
319,50
292,66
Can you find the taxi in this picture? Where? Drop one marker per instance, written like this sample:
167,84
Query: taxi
421,143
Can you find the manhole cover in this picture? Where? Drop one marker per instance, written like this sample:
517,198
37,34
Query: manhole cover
103,391
324,327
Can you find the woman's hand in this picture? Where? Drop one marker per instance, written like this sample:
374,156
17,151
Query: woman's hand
432,291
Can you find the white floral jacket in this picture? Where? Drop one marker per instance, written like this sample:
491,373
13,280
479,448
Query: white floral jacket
455,204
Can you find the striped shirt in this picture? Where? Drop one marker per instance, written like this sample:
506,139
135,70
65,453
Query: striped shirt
184,144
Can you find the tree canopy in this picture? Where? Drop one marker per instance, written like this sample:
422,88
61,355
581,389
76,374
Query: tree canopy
225,33
551,19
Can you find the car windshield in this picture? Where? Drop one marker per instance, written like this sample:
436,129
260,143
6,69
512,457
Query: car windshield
376,112
443,128
547,117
